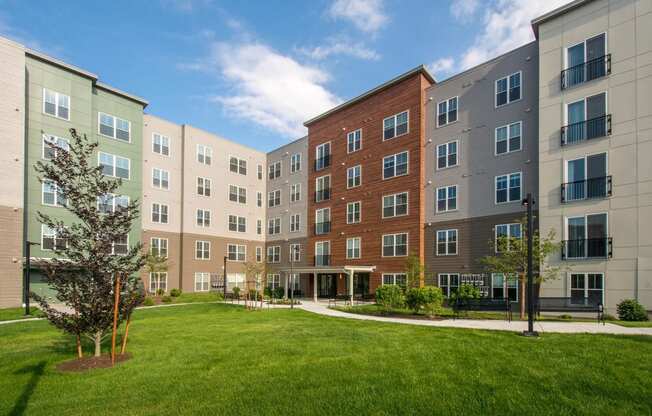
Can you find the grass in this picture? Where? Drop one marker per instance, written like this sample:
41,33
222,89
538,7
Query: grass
221,359
10,314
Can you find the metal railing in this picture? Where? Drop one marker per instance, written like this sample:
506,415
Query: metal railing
586,130
323,195
322,162
586,71
588,248
322,260
586,189
322,227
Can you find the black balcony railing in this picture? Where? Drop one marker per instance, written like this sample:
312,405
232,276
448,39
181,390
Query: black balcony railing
323,260
322,162
588,248
323,195
585,72
586,189
322,227
586,130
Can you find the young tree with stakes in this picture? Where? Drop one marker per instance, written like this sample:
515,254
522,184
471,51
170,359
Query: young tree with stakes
83,272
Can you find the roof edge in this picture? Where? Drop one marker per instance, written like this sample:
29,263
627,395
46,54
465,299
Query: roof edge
556,13
117,91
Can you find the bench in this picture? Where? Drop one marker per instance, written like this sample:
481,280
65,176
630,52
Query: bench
567,305
339,298
483,305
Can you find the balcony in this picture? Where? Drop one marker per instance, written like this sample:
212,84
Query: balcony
322,227
322,162
585,72
587,249
586,130
322,260
587,189
323,195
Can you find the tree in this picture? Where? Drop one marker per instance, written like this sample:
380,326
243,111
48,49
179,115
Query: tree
256,270
92,250
511,255
415,271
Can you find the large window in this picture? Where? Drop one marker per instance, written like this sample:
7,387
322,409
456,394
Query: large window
508,89
354,141
160,144
158,281
275,170
586,178
447,155
395,125
274,254
50,240
114,127
203,218
159,213
587,288
236,252
237,194
52,144
237,223
237,165
274,226
353,248
274,198
158,246
56,104
295,163
504,287
202,281
109,203
295,223
395,165
204,154
203,186
446,242
395,205
323,188
586,119
587,237
353,176
449,282
273,280
395,245
508,188
322,253
120,246
116,166
52,194
447,111
447,198
505,235
295,192
295,253
508,138
399,279
160,178
586,61
322,221
202,250
323,156
353,212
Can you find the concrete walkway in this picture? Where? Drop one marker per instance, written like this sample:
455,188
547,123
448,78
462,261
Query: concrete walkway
496,325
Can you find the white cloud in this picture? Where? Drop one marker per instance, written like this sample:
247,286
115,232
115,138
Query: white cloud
464,10
186,6
268,88
341,47
442,67
367,15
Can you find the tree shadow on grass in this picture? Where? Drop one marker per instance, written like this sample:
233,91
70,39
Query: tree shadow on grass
37,371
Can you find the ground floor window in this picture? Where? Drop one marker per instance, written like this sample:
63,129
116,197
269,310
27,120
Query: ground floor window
394,279
273,280
235,280
502,288
202,281
449,282
587,288
295,280
158,281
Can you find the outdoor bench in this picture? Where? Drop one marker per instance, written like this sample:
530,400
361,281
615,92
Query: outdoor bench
483,305
568,305
333,301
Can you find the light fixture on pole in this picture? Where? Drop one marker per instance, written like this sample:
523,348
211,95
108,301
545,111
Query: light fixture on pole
28,270
528,202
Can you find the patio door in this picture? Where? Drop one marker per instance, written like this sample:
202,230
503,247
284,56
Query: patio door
586,177
326,285
360,283
587,236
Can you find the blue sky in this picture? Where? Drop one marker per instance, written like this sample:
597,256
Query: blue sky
253,71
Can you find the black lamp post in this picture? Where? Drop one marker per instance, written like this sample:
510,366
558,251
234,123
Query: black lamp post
28,270
528,202
224,267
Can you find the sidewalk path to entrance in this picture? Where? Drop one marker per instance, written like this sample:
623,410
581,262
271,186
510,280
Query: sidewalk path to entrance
515,326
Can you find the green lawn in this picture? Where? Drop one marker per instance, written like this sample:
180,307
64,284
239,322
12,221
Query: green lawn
10,314
221,359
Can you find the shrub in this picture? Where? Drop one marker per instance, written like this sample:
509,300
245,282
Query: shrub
267,292
390,296
428,298
148,301
175,292
608,317
166,299
253,294
236,292
631,310
219,295
278,292
466,292
160,292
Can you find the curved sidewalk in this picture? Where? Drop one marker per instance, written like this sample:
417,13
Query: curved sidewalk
514,326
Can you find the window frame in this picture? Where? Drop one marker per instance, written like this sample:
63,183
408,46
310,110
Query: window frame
276,173
203,218
239,161
204,244
160,239
359,248
358,177
56,99
394,245
407,205
353,204
509,235
115,126
274,198
160,213
508,77
447,199
295,192
161,136
295,223
508,138
237,252
448,285
395,156
206,151
204,181
295,163
509,177
275,254
203,281
48,138
447,242
349,142
395,119
457,111
448,154
114,164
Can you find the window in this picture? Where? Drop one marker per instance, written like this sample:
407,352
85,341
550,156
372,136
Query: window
322,253
323,188
587,119
399,279
236,252
587,237
259,199
447,112
447,198
395,125
295,192
295,222
504,288
354,141
202,281
259,171
259,226
295,253
114,127
322,156
508,89
237,194
202,250
52,195
160,178
395,205
275,170
158,247
259,254
203,218
446,242
116,166
50,240
160,144
56,104
449,282
508,138
447,155
395,165
237,165
586,61
295,163
120,246
353,212
159,213
505,233
274,254
322,221
52,144
274,198
395,245
586,178
274,226
353,176
508,188
109,203
353,248
203,186
273,280
204,154
158,281
587,288
238,224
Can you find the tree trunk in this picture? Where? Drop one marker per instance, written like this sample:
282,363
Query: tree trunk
124,340
521,295
98,343
80,353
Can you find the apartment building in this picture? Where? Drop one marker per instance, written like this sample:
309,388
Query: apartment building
595,142
481,161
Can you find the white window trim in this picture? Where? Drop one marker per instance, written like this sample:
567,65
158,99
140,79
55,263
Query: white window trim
160,188
115,127
273,250
298,227
393,275
360,176
448,282
161,136
203,216
437,111
507,126
457,155
270,199
237,251
347,212
298,186
317,153
520,198
395,116
407,244
160,205
407,171
239,159
207,149
457,242
359,256
46,137
496,89
569,283
203,275
57,94
56,194
209,249
508,234
273,164
353,132
204,179
606,47
606,105
382,207
114,164
437,210
292,170
151,244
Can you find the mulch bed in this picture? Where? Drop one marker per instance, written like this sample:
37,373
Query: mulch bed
90,362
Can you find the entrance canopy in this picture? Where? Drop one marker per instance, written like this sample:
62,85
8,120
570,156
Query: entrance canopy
316,270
